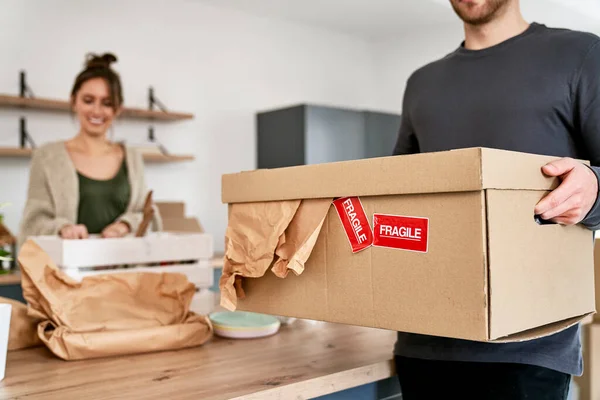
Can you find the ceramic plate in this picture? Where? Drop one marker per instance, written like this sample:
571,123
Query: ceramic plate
244,325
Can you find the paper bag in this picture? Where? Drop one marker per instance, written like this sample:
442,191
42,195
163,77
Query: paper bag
281,234
23,328
250,241
108,315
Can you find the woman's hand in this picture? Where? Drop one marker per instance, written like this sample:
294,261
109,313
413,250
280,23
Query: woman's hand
74,232
116,230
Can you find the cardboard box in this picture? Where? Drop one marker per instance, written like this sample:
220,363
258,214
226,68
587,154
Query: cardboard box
597,277
589,383
189,225
489,271
171,209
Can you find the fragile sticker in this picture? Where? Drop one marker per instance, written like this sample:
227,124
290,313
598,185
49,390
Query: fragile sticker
355,222
401,232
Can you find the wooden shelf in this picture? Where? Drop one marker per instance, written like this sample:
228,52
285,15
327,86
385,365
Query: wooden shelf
158,158
60,105
14,152
151,158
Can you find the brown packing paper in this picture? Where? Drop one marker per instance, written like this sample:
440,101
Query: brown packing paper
23,328
108,315
300,237
250,242
289,242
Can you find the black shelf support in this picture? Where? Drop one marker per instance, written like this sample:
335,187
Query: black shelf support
24,136
24,89
153,101
152,139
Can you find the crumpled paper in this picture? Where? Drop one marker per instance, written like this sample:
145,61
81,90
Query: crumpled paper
109,315
298,240
277,234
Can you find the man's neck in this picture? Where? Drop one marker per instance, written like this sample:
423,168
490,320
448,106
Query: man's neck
506,26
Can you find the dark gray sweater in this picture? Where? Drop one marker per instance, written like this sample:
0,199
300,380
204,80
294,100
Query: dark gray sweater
538,92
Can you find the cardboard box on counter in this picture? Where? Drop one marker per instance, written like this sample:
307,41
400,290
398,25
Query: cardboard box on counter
597,276
174,219
171,209
457,250
589,383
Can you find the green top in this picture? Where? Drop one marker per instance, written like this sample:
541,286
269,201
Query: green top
102,201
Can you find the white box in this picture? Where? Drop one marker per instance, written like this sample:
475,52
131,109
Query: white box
154,248
200,273
204,302
5,311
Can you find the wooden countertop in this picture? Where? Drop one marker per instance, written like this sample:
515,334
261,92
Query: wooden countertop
12,278
304,360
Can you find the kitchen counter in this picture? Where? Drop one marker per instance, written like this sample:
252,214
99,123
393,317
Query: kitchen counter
304,360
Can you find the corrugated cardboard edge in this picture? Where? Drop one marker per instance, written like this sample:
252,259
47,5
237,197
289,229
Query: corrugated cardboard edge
468,169
445,171
542,331
503,169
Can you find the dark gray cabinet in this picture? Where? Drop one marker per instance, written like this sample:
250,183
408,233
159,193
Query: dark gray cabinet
307,134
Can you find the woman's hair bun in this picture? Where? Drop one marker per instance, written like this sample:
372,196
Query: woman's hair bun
103,61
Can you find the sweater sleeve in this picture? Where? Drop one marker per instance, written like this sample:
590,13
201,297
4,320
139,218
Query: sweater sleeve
587,113
39,217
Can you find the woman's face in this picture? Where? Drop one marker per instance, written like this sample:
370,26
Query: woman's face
94,108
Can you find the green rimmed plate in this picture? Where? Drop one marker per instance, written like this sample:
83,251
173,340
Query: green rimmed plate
243,324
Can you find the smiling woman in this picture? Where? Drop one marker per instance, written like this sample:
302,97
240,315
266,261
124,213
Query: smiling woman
88,184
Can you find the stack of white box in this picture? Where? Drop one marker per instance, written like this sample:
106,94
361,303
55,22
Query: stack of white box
187,253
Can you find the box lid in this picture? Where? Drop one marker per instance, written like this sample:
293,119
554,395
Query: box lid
469,169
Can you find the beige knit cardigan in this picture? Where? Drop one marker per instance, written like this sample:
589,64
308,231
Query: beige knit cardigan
53,192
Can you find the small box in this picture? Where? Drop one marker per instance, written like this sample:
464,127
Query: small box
186,224
186,253
171,209
483,269
597,277
5,313
156,247
589,383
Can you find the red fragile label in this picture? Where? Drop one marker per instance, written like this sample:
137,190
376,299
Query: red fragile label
400,232
355,222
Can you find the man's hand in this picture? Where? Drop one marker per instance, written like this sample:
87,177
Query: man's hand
572,200
116,230
74,232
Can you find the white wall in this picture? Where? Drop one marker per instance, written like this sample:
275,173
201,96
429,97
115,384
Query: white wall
397,56
221,65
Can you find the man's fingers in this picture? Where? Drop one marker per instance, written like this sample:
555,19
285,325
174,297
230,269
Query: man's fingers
558,196
559,167
571,206
566,220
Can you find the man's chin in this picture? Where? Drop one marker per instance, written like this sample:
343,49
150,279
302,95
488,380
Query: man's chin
478,15
476,20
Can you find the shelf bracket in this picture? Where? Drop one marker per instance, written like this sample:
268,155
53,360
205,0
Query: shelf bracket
153,101
24,89
152,139
24,136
